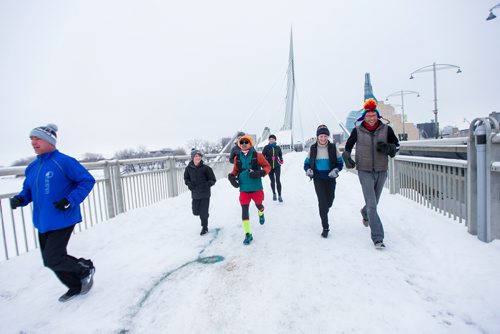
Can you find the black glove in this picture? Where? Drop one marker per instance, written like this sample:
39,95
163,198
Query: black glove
62,204
233,180
255,174
349,163
16,202
389,149
191,185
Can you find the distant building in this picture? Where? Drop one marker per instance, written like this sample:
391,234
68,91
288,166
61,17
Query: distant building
449,131
338,137
351,120
426,130
495,115
396,122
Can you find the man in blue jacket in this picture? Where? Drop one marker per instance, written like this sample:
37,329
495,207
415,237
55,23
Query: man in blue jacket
57,184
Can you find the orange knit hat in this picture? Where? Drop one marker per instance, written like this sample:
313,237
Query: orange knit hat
248,138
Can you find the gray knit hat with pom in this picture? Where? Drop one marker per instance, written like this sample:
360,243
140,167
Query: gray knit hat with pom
47,133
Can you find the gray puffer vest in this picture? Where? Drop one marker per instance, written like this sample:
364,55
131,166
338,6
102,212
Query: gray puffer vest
367,157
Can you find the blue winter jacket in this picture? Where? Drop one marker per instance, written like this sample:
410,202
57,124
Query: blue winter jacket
50,178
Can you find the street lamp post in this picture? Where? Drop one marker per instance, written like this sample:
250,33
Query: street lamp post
402,93
492,16
435,67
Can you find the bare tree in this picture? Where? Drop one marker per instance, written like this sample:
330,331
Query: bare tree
23,161
91,157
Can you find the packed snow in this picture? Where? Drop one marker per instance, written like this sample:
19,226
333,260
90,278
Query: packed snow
433,277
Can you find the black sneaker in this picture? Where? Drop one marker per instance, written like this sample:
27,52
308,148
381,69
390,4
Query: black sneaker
204,231
87,281
379,245
70,294
324,234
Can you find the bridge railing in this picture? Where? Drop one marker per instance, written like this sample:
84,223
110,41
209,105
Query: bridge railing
439,184
121,186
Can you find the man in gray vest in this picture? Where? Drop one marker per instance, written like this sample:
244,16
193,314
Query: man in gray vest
374,142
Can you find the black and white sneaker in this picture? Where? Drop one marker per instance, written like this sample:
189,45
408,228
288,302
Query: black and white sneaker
379,245
70,294
204,231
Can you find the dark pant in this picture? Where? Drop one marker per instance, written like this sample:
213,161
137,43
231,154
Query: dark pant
55,257
200,208
325,191
274,175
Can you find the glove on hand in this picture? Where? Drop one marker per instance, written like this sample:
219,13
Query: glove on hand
310,173
233,180
255,174
62,205
389,149
16,202
191,186
349,163
334,173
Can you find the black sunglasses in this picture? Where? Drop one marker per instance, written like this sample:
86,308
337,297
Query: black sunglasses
244,141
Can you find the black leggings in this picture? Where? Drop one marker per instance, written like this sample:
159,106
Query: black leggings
325,191
275,173
245,215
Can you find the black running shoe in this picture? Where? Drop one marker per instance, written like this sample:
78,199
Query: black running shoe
70,294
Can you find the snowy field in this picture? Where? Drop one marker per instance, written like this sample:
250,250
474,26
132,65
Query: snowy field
433,277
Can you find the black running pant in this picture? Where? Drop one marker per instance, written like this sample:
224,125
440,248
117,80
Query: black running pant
200,208
274,175
325,191
55,257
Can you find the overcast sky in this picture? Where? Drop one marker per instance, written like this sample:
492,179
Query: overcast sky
119,74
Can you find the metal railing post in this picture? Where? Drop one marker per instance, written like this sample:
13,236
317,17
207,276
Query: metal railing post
108,185
118,187
172,178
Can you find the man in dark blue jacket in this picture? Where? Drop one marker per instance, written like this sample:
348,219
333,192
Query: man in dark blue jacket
57,184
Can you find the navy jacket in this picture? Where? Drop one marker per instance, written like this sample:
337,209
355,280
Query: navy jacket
199,179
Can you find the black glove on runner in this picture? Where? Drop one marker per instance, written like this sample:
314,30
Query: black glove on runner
233,180
62,204
255,174
349,163
389,149
16,202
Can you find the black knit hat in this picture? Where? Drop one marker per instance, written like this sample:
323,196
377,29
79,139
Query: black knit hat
322,130
272,136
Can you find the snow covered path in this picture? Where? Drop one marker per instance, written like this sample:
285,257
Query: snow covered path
433,277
